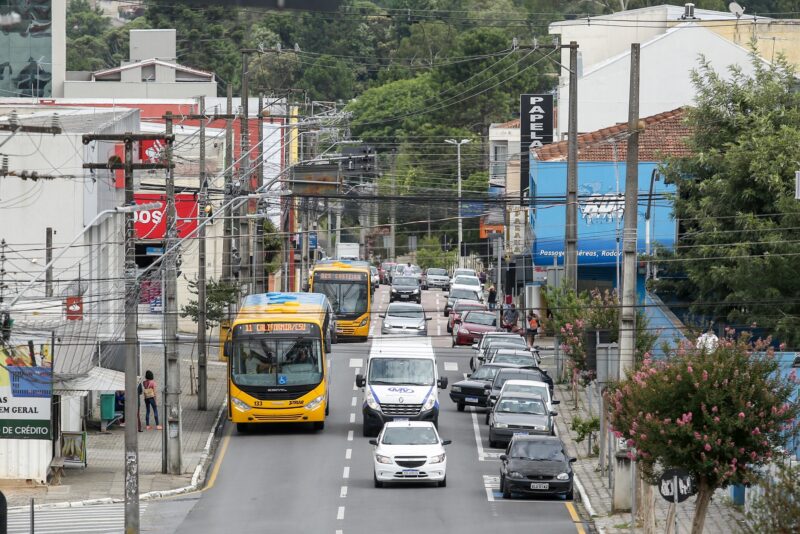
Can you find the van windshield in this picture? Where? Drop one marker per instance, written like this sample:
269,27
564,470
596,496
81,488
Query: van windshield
406,371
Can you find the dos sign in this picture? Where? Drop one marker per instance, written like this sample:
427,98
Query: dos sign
676,480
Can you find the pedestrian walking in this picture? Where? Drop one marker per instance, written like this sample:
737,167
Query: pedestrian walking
149,387
492,299
532,328
511,318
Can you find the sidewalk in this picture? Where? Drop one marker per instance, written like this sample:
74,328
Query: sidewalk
722,517
104,476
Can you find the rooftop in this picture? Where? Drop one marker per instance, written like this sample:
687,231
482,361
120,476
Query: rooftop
71,120
664,135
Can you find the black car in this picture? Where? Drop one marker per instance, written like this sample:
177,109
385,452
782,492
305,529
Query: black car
405,288
536,465
472,390
523,373
519,413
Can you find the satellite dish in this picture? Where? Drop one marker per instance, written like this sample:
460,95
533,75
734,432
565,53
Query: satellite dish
736,9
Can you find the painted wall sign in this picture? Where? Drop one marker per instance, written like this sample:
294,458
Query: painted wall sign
536,130
152,224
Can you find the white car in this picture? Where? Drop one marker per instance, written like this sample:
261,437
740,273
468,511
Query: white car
530,386
409,451
463,272
469,282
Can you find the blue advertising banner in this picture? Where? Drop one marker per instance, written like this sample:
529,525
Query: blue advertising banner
600,211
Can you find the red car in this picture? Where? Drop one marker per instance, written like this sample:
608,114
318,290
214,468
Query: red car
383,271
472,325
459,307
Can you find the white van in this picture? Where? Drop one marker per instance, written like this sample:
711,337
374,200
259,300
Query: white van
400,383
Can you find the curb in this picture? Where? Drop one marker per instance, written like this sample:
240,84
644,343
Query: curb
197,479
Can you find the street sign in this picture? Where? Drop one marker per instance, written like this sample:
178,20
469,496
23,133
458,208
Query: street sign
312,240
676,479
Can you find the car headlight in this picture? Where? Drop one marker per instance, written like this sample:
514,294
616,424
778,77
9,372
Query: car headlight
240,405
429,402
394,290
421,327
456,389
383,459
364,322
500,425
562,476
416,291
437,459
515,474
372,403
314,404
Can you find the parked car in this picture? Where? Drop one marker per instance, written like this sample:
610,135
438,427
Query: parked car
385,271
434,277
537,465
405,318
519,413
409,451
459,307
510,354
463,294
501,377
529,386
472,325
472,390
405,288
375,277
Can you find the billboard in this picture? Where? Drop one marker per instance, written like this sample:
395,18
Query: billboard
600,211
536,130
26,389
152,224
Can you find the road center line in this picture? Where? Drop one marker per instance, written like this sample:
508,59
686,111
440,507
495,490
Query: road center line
356,362
343,492
354,401
350,434
346,472
348,454
352,418
451,366
340,513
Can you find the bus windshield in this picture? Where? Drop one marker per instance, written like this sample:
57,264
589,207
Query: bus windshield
276,361
406,371
348,297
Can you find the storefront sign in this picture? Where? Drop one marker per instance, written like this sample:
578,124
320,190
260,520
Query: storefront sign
74,308
26,387
152,224
536,130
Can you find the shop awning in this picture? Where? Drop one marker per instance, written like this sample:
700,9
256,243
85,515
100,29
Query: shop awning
97,379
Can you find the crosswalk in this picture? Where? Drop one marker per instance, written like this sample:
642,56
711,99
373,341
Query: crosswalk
95,519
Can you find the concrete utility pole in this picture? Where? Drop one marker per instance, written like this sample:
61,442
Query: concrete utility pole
460,223
392,212
171,437
624,484
48,257
227,223
131,315
202,348
258,246
571,234
245,276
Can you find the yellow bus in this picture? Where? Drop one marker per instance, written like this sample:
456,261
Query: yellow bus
277,360
348,288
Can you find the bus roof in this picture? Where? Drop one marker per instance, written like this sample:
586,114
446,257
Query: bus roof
283,307
343,265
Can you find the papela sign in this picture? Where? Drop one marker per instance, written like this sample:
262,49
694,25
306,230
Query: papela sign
536,130
26,387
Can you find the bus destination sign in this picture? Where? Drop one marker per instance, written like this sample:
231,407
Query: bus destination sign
277,328
340,277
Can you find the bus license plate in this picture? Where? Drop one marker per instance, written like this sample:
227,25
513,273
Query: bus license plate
540,486
473,400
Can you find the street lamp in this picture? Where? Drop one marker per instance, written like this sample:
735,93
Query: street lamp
460,229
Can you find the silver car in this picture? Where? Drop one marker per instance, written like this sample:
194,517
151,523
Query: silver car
405,318
519,413
436,278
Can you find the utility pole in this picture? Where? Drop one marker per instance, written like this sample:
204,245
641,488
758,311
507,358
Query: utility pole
244,223
392,212
258,246
571,235
131,316
171,437
460,223
227,248
48,257
624,481
202,348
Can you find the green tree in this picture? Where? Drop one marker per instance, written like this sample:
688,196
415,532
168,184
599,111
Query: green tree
430,254
735,201
84,20
776,508
328,78
219,296
718,414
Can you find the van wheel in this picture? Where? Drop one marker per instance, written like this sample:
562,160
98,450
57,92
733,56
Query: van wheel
442,483
242,428
460,406
378,483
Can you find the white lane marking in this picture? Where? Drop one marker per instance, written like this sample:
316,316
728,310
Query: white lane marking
354,401
491,483
451,366
339,532
348,454
346,472
343,492
340,513
355,387
349,435
439,329
477,432
358,370
356,362
352,418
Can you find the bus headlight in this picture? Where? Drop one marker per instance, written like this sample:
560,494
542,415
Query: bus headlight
240,405
314,404
429,402
364,322
372,403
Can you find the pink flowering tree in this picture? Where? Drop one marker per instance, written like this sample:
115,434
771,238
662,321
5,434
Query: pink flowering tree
719,414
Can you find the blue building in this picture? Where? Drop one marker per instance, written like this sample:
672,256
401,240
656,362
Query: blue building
601,186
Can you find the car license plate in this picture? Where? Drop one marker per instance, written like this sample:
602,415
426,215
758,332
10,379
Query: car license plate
540,485
403,296
520,433
473,400
414,472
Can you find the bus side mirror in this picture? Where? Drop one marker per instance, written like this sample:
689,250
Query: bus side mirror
226,349
360,381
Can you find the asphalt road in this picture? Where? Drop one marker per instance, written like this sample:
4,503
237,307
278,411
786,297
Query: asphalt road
290,479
